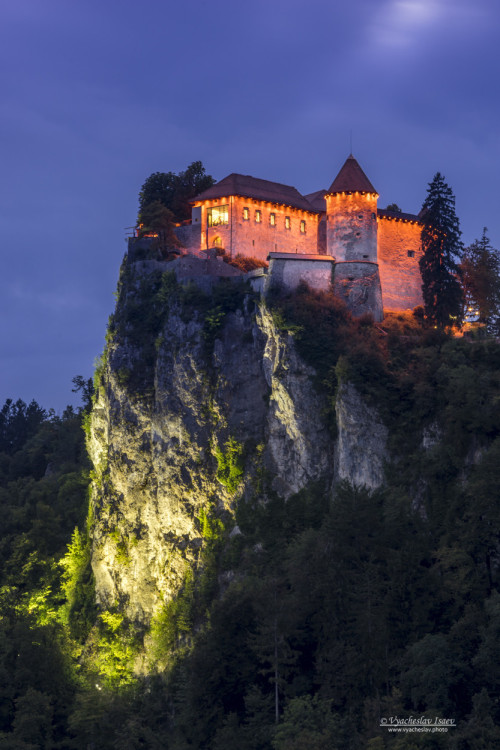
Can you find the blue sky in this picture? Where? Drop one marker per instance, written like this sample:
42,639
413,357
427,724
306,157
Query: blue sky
98,95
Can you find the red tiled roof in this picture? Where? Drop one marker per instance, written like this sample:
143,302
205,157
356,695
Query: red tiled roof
385,214
317,200
252,187
351,178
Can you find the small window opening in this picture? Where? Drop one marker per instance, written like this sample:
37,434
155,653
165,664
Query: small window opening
411,253
258,216
272,220
303,227
246,214
287,222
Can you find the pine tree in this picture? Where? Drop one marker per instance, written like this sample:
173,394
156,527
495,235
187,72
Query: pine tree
442,247
480,269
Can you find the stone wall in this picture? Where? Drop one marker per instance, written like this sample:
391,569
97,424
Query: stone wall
252,238
351,230
189,235
399,251
358,285
289,270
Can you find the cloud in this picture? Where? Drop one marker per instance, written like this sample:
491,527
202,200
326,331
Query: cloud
404,24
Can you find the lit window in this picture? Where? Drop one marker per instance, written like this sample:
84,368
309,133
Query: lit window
246,214
303,226
272,220
287,222
411,253
218,215
258,216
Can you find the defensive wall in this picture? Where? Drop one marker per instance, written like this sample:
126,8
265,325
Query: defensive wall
399,252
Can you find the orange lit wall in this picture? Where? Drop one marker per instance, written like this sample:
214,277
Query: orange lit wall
351,229
249,237
399,273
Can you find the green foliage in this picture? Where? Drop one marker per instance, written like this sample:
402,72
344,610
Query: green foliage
441,248
308,722
78,585
480,272
174,621
174,191
230,464
43,496
19,422
114,645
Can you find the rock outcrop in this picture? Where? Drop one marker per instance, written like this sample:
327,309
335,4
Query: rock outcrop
166,421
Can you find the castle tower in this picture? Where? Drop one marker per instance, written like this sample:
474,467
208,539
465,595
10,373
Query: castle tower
351,238
351,210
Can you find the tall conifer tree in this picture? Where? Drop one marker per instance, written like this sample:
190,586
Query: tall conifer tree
442,248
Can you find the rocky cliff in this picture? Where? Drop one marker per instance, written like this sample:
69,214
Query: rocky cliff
203,402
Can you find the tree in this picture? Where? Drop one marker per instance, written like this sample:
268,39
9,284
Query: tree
174,191
480,269
157,220
18,423
442,247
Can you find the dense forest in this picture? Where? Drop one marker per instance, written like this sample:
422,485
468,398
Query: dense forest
326,614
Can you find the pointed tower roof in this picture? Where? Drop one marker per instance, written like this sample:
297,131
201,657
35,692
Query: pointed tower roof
351,178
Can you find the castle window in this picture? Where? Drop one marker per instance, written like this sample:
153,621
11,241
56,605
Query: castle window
287,222
218,215
303,226
258,216
272,220
246,214
411,253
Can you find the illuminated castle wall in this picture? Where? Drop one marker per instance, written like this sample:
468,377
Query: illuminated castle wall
254,217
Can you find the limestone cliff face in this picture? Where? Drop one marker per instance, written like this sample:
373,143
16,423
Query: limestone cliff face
362,439
157,448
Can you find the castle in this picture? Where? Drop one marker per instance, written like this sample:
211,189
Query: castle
375,252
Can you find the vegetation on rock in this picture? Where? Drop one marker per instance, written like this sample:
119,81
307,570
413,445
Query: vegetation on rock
298,622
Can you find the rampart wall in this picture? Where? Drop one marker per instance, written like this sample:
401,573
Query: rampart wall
399,251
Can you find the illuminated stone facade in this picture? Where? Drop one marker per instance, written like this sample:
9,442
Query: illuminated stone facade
247,216
399,251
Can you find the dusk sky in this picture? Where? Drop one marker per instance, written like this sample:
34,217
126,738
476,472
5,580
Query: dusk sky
98,95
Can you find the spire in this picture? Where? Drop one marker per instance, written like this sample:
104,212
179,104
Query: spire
351,178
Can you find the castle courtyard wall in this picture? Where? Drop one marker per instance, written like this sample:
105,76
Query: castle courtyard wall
399,251
288,270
